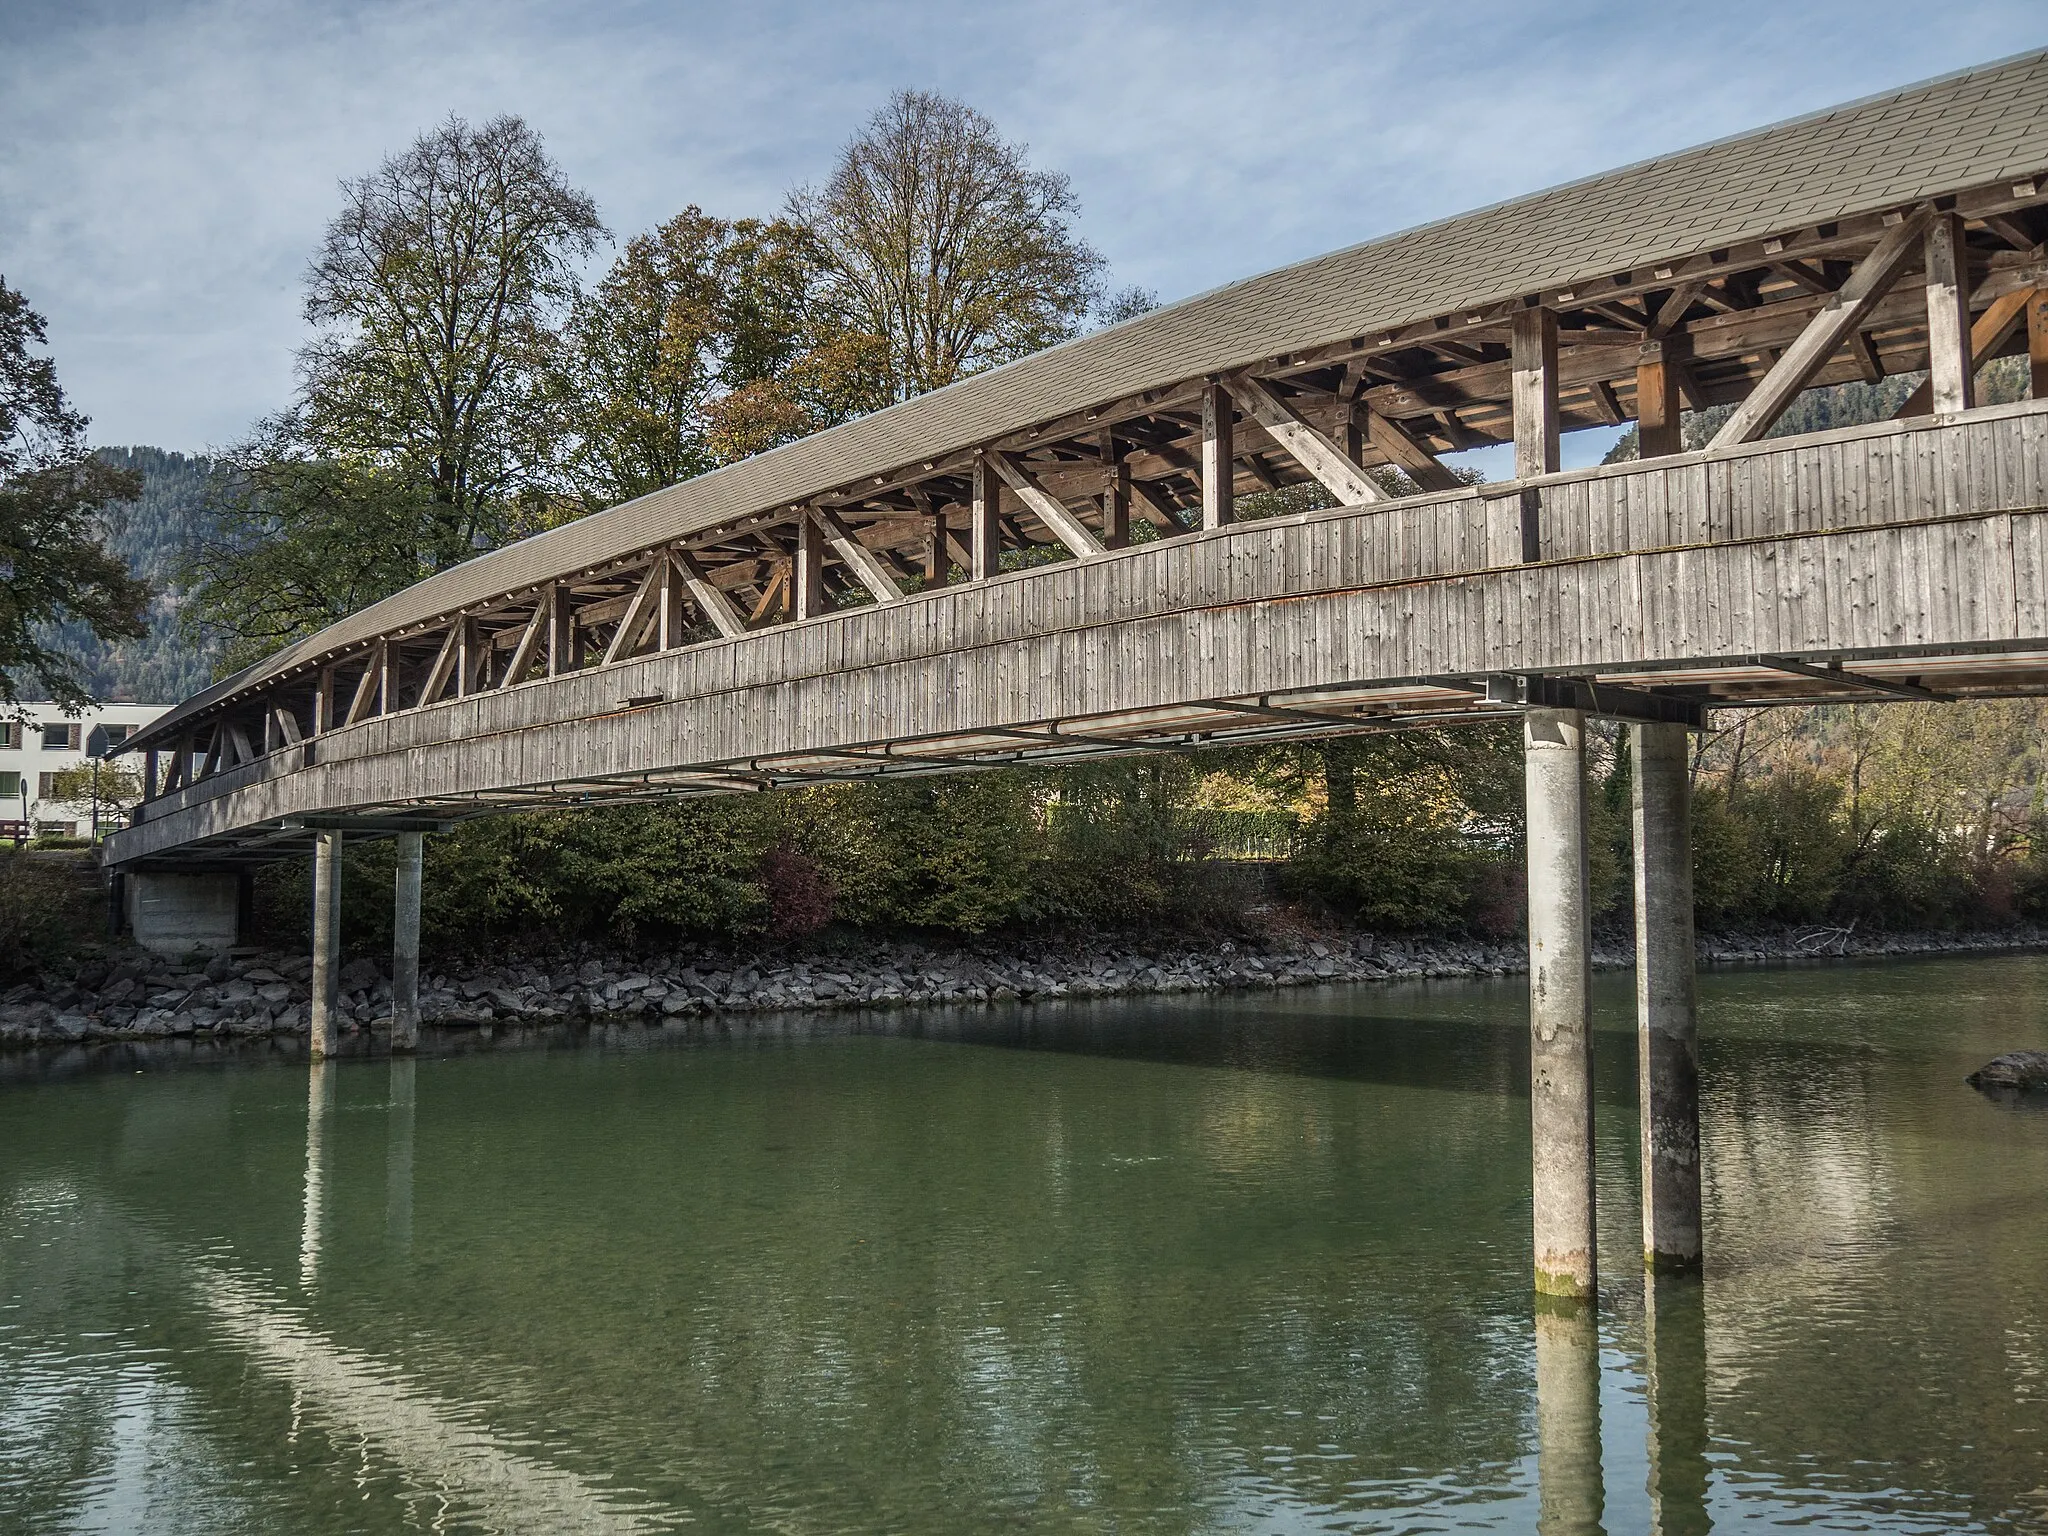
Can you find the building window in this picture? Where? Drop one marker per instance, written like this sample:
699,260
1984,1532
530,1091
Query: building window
60,738
116,734
46,786
10,788
10,735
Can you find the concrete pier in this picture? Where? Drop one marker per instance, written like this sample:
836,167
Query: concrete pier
405,944
1666,1012
183,914
1560,1003
326,943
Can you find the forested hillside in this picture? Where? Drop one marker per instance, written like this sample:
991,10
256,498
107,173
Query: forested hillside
153,534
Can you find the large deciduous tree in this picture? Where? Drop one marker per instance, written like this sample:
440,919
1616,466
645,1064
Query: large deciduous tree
425,427
436,291
55,500
939,238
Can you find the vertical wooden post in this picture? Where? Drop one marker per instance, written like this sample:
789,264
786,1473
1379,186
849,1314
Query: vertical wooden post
387,677
1950,368
1219,458
1351,433
326,1032
465,656
1533,337
2037,344
149,778
986,530
270,731
323,702
1116,495
405,943
669,626
562,650
936,564
1657,401
807,578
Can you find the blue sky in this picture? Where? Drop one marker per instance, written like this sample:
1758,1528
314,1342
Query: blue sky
166,168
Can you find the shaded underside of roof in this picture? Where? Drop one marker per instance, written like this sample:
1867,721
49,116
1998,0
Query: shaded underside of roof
1965,130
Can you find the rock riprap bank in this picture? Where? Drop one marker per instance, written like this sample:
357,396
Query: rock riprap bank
138,997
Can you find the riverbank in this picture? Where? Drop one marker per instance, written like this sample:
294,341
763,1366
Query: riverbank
132,996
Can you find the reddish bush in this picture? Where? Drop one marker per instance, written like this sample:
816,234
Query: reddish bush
798,891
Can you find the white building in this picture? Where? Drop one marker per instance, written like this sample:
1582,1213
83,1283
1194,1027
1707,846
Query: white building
35,748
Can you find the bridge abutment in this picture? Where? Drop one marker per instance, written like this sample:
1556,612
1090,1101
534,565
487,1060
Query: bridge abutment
1667,1028
326,943
405,943
1560,1003
180,914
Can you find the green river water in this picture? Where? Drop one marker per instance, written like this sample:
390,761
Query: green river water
1247,1263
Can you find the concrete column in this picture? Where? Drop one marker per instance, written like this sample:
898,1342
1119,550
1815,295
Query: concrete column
1668,1052
405,944
1560,1002
1570,1491
326,943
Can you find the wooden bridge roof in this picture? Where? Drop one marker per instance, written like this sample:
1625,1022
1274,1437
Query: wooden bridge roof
1975,129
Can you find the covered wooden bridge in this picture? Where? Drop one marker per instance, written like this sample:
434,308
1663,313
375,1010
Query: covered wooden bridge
1060,558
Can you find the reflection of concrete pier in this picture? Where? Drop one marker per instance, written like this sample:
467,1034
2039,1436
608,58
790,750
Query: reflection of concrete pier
1569,1488
1675,1373
398,1157
319,1117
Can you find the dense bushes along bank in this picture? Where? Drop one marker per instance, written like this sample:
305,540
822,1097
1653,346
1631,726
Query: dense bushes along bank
1900,817
1907,816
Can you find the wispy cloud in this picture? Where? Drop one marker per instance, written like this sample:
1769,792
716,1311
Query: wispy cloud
165,169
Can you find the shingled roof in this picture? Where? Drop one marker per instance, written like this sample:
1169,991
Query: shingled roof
1965,130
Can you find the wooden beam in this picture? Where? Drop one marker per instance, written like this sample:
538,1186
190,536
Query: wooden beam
773,593
1950,370
633,622
1534,392
984,529
287,725
1838,317
366,686
389,664
807,574
1402,448
1991,331
1657,415
858,558
711,602
1868,363
323,701
528,647
245,750
565,643
1309,448
1673,309
2037,344
1116,494
443,666
1219,458
1046,507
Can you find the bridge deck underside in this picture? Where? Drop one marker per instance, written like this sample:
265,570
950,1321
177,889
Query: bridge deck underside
1908,559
